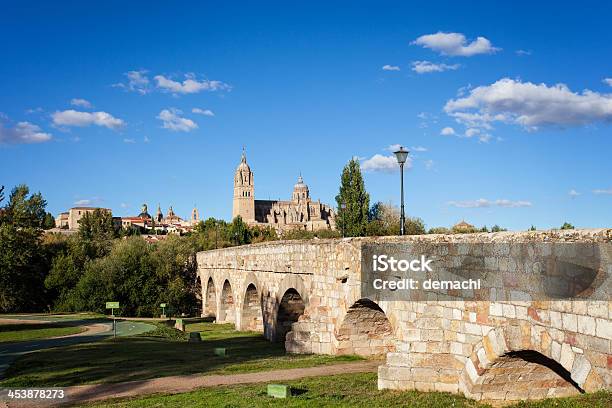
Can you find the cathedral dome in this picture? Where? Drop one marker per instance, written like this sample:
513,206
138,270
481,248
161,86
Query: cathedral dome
144,213
300,185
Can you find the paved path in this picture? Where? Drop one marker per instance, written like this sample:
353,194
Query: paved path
182,383
95,330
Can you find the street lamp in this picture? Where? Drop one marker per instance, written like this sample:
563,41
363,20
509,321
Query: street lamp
401,156
343,207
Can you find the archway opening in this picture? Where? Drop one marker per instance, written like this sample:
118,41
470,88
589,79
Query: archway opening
525,374
227,311
365,331
251,310
210,305
290,309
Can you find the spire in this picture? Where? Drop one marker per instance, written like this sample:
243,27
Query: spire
243,158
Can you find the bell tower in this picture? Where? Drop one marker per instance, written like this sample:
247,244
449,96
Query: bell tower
244,192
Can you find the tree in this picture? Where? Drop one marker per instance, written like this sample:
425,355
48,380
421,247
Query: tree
353,201
567,226
439,230
96,233
497,228
239,232
532,228
49,221
384,219
23,263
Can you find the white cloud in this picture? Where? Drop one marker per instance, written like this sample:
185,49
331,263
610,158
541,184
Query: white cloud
393,148
484,203
129,141
607,81
471,132
424,67
603,191
124,205
522,53
190,85
82,103
83,202
146,139
172,120
418,149
448,131
573,193
23,133
387,164
455,44
205,112
75,118
529,105
137,82
429,164
390,68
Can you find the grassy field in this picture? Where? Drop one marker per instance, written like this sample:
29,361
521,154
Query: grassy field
350,390
162,352
31,331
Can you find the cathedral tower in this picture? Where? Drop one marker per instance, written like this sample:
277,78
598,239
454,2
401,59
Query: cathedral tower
244,192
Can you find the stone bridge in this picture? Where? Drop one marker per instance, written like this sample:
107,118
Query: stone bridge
312,296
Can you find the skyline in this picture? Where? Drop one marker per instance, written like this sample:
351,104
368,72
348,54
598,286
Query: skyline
507,119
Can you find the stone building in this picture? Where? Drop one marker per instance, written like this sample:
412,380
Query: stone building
301,212
70,219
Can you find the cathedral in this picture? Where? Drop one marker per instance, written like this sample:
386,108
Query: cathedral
298,213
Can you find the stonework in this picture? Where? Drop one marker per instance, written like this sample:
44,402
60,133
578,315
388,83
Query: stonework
298,213
310,296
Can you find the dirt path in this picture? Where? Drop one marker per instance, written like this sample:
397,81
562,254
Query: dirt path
183,383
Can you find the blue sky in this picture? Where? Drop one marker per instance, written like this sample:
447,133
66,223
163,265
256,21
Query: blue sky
473,89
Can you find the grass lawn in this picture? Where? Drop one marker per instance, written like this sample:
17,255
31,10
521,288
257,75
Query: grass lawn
31,331
162,352
349,390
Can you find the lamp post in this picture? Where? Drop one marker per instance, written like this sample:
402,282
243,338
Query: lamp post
343,207
401,156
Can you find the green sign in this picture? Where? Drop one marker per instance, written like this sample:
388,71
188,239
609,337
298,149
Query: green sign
112,305
279,390
162,305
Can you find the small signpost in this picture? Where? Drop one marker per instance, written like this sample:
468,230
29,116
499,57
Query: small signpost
112,306
163,307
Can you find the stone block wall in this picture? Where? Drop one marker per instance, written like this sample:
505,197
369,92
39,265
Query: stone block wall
494,348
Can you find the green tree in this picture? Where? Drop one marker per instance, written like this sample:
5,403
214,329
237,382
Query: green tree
497,228
384,219
96,233
532,228
239,232
49,221
439,230
567,226
23,263
353,201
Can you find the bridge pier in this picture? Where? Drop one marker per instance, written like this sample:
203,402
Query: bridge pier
312,295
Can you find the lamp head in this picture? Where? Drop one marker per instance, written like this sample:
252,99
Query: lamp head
401,155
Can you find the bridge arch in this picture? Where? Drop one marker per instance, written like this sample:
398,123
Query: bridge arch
210,299
251,313
227,304
506,368
290,307
365,330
